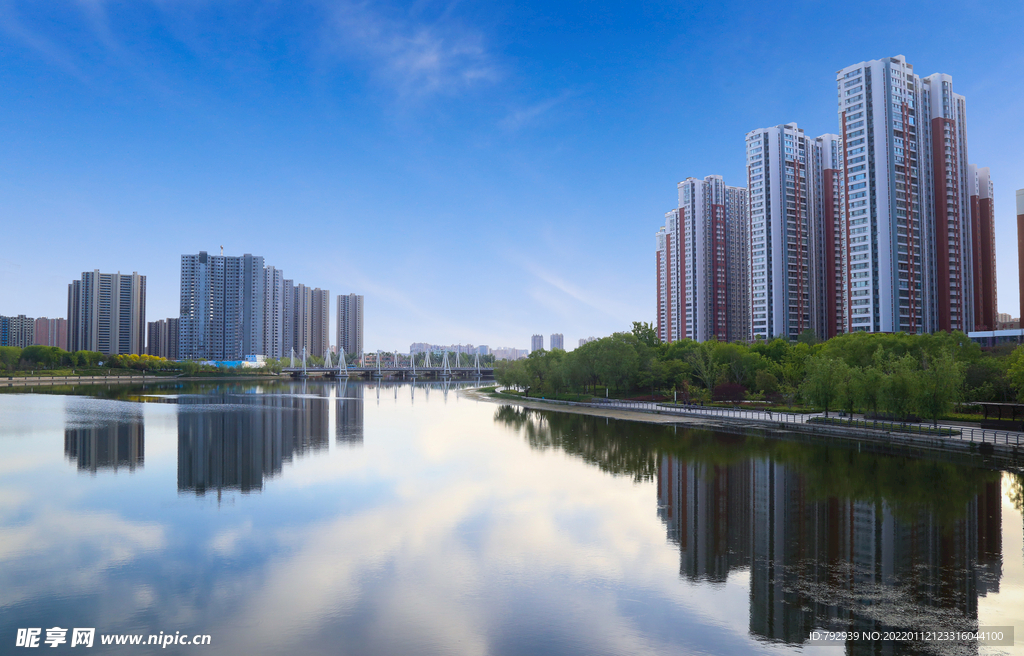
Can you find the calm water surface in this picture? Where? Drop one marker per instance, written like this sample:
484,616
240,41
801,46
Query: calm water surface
334,518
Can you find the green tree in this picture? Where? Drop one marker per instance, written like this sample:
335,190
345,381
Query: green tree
808,336
766,382
900,387
645,333
653,374
556,370
677,374
537,365
89,358
941,381
520,376
189,367
44,357
705,369
869,385
10,356
824,382
1015,372
503,372
849,389
616,361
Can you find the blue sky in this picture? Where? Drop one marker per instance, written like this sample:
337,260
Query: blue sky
480,171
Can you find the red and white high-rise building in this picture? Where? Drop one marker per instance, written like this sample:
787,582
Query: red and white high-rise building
702,259
983,247
904,199
793,241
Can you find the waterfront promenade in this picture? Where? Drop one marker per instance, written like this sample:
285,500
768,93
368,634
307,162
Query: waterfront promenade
943,436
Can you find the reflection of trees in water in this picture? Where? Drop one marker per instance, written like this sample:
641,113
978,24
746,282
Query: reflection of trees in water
831,537
830,562
615,447
907,485
1017,491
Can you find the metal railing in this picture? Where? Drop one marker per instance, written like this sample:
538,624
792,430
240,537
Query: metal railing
960,433
710,411
989,436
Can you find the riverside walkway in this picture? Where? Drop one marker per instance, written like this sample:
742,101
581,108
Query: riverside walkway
949,433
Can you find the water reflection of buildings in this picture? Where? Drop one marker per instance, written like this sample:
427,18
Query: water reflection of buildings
835,563
110,445
234,441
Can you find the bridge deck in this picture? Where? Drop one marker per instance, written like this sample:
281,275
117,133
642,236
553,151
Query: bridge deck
389,370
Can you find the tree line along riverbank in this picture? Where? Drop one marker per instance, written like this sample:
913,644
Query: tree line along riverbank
55,361
903,377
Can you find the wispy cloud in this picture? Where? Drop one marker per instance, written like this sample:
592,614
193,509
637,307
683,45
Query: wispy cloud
85,43
526,115
416,57
604,303
13,25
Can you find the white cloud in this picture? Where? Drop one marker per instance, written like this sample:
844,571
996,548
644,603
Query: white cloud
603,303
15,27
526,115
415,57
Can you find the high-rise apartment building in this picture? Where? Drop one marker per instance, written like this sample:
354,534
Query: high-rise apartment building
793,271
302,324
1020,248
537,343
235,306
274,307
17,331
983,247
832,238
702,262
310,320
162,338
557,341
288,299
350,324
905,199
222,305
320,320
107,313
50,332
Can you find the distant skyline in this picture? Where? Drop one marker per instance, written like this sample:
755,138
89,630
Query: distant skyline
479,172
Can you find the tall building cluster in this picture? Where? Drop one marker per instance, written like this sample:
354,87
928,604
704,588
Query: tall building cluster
107,313
51,332
17,331
883,227
22,331
758,517
234,306
441,349
702,261
509,353
231,307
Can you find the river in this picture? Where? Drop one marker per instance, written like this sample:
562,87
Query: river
357,518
